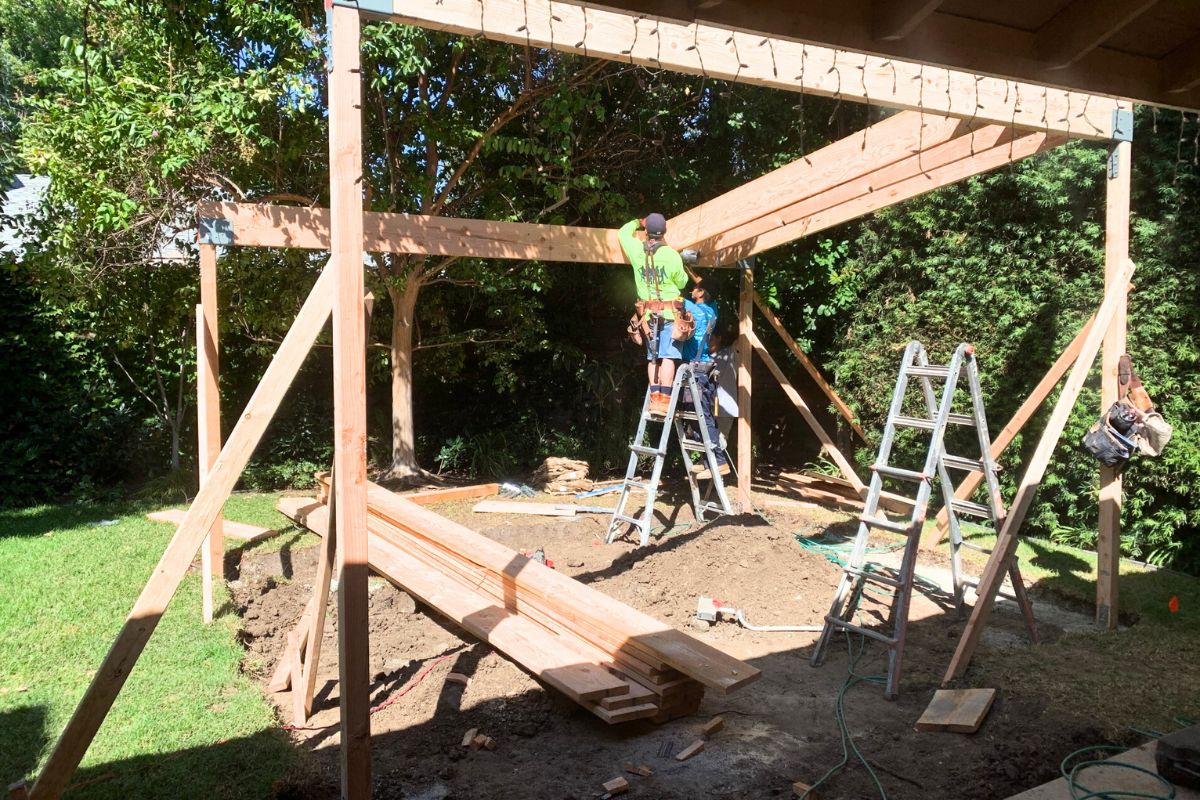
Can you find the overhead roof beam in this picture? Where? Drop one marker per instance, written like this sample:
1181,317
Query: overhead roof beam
895,19
1181,68
1083,26
728,54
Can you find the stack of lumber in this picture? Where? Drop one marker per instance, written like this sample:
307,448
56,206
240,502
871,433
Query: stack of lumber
562,475
615,661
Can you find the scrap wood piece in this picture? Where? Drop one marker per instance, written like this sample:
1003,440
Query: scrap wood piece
617,785
640,769
713,725
451,493
234,530
457,677
469,736
515,507
804,790
691,750
528,644
627,714
482,741
575,601
957,710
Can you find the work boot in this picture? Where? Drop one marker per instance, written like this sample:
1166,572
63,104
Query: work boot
660,403
703,473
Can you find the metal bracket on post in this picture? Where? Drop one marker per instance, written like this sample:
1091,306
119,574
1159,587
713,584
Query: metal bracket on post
215,231
745,263
1122,125
382,8
1114,163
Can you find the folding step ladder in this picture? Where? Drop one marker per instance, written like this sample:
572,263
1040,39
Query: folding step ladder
857,574
685,380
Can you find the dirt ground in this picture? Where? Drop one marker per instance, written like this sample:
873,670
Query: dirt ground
778,730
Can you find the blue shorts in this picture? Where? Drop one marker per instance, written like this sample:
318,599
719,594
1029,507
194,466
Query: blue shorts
665,347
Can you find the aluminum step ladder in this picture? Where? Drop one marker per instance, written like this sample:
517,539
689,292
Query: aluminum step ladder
857,573
677,415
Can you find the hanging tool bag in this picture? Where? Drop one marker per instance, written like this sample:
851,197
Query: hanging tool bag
684,327
1106,443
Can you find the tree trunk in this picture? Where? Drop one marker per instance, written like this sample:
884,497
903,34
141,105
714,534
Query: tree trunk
404,309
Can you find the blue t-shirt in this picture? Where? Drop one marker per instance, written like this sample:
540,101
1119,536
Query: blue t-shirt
696,348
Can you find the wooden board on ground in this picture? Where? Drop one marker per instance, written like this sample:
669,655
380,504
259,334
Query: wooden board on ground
957,710
448,494
234,530
516,507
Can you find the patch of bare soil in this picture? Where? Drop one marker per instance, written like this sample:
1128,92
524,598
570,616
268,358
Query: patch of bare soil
777,731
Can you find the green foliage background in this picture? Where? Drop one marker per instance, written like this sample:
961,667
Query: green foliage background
139,109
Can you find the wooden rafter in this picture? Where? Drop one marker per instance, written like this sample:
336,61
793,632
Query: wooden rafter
261,225
895,19
732,54
1180,69
1083,26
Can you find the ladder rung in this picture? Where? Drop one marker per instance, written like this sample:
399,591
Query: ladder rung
913,422
642,450
686,415
978,548
693,447
961,419
887,525
901,474
873,576
645,487
630,520
965,464
873,634
929,371
974,509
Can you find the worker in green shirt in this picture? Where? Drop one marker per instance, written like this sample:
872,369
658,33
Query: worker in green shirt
660,278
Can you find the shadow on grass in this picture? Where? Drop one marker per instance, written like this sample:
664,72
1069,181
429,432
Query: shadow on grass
40,520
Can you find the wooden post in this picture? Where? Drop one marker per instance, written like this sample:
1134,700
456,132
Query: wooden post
208,417
745,349
1116,251
350,400
1006,541
175,561
827,444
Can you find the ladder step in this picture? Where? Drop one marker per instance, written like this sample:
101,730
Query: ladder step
900,474
645,487
913,422
961,419
874,577
642,450
965,464
686,415
978,548
887,525
868,632
693,447
629,519
928,371
974,509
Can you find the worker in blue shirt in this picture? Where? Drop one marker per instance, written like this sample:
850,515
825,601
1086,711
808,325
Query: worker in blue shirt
695,351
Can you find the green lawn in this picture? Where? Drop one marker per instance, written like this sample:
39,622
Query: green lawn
188,723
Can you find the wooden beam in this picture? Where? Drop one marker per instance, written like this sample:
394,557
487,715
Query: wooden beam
453,493
1082,26
934,534
316,632
895,19
743,351
811,176
208,411
827,444
730,54
177,558
1116,253
810,367
903,190
1180,69
350,398
264,225
1006,541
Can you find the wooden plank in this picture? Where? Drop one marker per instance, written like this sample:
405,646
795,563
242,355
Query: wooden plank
744,350
895,19
827,444
349,399
1180,68
691,750
1116,252
1006,541
453,493
1082,26
208,418
529,645
693,658
729,54
636,696
915,186
263,225
173,565
515,507
934,534
231,528
810,367
957,710
319,604
894,139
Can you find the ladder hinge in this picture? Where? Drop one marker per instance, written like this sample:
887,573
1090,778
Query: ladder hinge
1122,125
215,231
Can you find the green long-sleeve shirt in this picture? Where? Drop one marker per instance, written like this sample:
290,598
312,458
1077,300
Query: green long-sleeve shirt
665,281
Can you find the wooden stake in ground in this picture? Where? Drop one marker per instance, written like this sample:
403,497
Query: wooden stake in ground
1006,542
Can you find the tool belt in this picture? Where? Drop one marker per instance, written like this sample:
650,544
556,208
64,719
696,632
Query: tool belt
645,314
658,306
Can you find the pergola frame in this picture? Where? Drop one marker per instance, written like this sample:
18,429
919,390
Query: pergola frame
954,125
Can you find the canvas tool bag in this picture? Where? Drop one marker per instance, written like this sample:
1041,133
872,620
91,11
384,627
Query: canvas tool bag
1108,446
